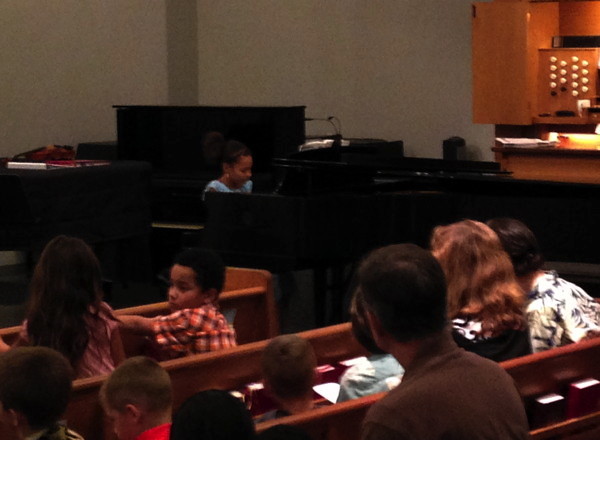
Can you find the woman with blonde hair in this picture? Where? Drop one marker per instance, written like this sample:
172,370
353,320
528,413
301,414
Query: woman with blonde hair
485,301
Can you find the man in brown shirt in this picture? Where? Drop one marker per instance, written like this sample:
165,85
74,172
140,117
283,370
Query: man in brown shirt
446,392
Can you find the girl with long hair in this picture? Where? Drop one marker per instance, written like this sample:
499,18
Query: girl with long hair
66,312
484,300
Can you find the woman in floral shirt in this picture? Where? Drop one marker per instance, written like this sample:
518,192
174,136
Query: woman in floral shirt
558,312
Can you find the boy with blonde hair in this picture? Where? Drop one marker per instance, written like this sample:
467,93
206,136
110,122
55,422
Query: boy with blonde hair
138,398
289,372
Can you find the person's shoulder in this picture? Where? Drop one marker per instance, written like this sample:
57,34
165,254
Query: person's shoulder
481,373
105,307
271,415
550,284
216,185
107,314
210,309
551,287
59,432
460,366
393,412
207,313
474,361
574,290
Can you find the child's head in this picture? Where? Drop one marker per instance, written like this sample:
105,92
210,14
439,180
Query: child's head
197,277
289,367
212,414
236,164
35,385
137,396
66,284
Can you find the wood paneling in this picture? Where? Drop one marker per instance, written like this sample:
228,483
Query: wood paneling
506,37
579,18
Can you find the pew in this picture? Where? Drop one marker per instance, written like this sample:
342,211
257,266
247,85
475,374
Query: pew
247,291
230,369
552,371
535,374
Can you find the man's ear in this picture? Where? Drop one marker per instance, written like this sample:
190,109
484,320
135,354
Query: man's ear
380,336
12,418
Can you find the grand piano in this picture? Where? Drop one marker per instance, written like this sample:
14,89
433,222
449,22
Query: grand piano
327,212
326,208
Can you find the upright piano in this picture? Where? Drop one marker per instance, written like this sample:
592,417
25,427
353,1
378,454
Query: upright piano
170,139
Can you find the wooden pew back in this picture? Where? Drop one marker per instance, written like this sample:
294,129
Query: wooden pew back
535,374
228,370
338,421
553,371
10,334
247,291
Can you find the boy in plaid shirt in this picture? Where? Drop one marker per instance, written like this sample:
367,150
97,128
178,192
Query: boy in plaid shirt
195,324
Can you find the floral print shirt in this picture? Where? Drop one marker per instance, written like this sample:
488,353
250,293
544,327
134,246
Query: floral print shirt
559,312
469,333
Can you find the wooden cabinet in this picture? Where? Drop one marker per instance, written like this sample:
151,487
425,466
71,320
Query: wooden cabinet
506,39
528,88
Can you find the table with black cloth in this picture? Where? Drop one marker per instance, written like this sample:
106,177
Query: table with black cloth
108,206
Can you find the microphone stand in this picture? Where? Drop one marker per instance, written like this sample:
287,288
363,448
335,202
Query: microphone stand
337,127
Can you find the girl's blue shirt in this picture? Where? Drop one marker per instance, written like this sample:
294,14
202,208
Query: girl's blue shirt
218,186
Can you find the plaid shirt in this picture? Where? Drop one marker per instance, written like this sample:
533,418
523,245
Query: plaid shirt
192,331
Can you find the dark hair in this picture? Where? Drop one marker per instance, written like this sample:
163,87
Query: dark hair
233,150
66,284
360,325
216,150
35,381
520,243
208,266
480,277
404,286
212,414
140,381
283,432
288,365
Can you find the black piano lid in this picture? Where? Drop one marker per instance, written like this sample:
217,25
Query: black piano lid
306,177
